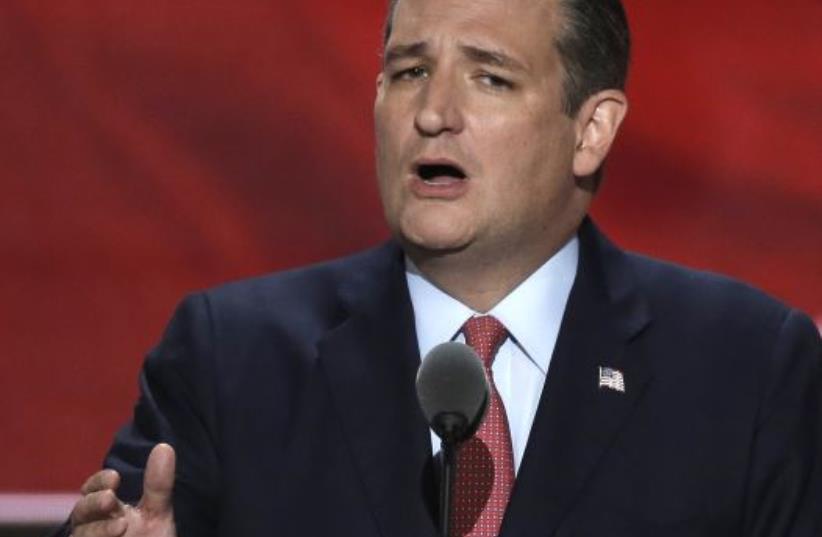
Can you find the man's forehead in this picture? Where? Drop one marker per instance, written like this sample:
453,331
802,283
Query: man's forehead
411,13
520,29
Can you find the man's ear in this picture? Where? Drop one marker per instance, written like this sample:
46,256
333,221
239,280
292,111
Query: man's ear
597,124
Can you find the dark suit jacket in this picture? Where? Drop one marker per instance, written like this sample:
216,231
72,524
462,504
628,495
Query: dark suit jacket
290,400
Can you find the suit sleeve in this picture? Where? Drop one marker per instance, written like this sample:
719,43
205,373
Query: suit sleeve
784,497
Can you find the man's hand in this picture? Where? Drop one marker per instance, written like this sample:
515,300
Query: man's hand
99,513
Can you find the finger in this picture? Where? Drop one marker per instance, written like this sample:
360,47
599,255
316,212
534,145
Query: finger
101,528
98,505
104,479
158,481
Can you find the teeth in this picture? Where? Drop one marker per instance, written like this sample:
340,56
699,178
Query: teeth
430,171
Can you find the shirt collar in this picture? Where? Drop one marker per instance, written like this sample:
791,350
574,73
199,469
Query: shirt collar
532,312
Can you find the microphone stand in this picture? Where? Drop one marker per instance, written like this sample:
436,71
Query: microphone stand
448,470
450,427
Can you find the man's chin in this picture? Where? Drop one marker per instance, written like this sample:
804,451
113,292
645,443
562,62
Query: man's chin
436,227
427,246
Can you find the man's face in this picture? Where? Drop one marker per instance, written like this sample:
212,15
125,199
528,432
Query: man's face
474,152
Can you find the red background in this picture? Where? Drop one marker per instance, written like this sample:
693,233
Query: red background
149,149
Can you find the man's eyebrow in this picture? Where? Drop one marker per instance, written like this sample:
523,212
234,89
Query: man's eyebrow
492,57
400,51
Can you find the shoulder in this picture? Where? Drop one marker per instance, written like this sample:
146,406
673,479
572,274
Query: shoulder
316,292
710,309
281,314
669,285
677,297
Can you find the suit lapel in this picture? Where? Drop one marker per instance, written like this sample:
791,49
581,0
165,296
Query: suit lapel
370,361
576,420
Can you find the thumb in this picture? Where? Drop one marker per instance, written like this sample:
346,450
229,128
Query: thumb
158,481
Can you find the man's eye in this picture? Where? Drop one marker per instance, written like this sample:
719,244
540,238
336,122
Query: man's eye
412,73
494,81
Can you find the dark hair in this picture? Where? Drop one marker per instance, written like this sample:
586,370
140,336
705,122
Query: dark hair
594,45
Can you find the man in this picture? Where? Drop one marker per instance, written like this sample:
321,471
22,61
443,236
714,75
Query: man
642,398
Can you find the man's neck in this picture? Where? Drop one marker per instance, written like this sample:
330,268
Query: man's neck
481,281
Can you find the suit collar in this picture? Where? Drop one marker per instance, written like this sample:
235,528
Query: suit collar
370,361
576,420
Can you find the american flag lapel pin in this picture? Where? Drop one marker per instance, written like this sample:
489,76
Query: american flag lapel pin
611,379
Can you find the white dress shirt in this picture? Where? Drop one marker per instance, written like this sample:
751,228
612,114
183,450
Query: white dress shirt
532,313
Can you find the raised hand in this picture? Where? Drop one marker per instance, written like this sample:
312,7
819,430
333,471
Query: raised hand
99,513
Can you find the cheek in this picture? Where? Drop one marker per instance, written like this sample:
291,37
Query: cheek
547,151
380,132
518,137
535,172
518,158
385,147
390,131
386,181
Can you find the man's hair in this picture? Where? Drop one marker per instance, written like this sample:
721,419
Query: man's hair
594,45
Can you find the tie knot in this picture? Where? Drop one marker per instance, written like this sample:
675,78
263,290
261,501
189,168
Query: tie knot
484,334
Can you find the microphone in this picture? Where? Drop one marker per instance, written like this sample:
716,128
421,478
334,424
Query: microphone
452,391
453,394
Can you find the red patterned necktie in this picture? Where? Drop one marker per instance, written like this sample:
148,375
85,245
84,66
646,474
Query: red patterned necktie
485,463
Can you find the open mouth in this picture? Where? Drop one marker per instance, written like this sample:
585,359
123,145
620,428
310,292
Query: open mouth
434,173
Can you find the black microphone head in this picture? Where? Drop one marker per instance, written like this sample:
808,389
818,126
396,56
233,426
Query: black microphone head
452,390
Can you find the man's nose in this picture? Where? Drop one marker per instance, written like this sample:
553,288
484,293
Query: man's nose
441,108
